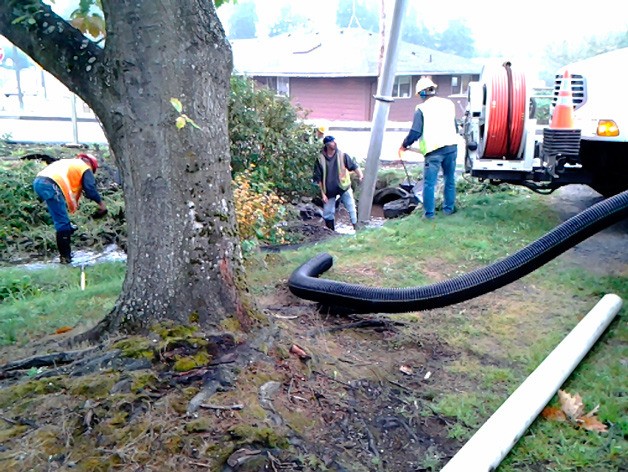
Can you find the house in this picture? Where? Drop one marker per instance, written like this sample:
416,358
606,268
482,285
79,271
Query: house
334,75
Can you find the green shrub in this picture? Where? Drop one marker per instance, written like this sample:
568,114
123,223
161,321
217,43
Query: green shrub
17,288
266,132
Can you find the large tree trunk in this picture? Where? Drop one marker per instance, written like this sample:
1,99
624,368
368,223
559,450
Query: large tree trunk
184,259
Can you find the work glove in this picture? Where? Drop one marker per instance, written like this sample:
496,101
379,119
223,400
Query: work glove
98,214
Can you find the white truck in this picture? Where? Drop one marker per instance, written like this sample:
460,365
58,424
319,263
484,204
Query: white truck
504,143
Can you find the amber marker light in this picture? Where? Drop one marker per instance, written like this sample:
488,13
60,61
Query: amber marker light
607,128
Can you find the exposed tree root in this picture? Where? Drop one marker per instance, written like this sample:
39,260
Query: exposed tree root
372,323
47,360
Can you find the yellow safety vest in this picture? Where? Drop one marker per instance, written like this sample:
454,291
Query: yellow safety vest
439,130
343,173
68,174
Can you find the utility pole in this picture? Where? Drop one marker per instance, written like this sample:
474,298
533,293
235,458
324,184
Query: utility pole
383,100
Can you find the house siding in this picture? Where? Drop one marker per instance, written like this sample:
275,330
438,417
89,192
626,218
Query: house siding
342,99
351,98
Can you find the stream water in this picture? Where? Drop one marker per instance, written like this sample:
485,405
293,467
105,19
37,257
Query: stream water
81,258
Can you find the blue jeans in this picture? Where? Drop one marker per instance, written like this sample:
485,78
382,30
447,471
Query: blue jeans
433,162
346,198
50,192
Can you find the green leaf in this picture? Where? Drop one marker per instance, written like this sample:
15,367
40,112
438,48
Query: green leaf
19,19
176,103
191,121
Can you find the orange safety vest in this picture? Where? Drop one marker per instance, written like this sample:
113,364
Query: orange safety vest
68,175
343,172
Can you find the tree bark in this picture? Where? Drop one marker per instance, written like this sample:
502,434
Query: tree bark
184,260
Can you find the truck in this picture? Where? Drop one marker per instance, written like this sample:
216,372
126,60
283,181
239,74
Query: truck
504,142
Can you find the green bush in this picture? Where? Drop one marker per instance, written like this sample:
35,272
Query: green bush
266,132
17,288
20,211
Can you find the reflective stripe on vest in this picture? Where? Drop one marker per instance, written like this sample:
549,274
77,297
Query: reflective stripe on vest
439,130
68,175
344,177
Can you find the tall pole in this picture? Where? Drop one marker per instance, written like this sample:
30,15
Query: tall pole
380,114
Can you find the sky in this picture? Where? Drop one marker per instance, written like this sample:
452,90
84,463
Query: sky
508,30
499,25
502,27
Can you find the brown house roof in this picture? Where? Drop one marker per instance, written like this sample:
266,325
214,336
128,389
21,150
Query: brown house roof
350,52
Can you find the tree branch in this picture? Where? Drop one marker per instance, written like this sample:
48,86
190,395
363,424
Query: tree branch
52,42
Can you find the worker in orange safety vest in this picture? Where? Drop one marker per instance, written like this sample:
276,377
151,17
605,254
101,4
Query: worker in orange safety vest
61,185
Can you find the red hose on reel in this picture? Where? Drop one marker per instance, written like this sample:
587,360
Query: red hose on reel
505,117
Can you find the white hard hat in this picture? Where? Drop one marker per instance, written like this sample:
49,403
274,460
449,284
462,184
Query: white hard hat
424,83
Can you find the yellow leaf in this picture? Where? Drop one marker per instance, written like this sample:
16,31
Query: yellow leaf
180,122
176,103
78,23
95,25
571,405
573,409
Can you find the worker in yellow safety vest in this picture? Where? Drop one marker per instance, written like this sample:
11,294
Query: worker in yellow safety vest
332,174
434,126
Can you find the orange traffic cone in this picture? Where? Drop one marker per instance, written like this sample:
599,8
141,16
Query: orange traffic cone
562,118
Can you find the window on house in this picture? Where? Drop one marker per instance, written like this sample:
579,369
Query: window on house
460,83
455,84
402,86
283,86
279,85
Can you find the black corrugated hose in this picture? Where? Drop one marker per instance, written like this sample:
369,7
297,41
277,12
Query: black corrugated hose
304,281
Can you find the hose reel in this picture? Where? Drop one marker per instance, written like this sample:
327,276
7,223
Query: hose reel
504,106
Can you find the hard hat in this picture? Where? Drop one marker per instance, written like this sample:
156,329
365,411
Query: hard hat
424,83
92,160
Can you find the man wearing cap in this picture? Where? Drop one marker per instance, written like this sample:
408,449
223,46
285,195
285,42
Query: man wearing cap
434,126
61,185
332,174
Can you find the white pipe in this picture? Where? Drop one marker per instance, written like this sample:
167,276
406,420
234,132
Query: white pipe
488,447
74,120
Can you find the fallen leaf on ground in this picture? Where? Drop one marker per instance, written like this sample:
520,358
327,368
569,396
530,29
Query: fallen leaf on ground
63,329
571,404
553,413
572,409
406,369
591,423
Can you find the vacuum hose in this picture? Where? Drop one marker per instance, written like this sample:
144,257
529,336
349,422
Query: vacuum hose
304,281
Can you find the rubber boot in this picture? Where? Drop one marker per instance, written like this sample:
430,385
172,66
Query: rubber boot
64,246
330,224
